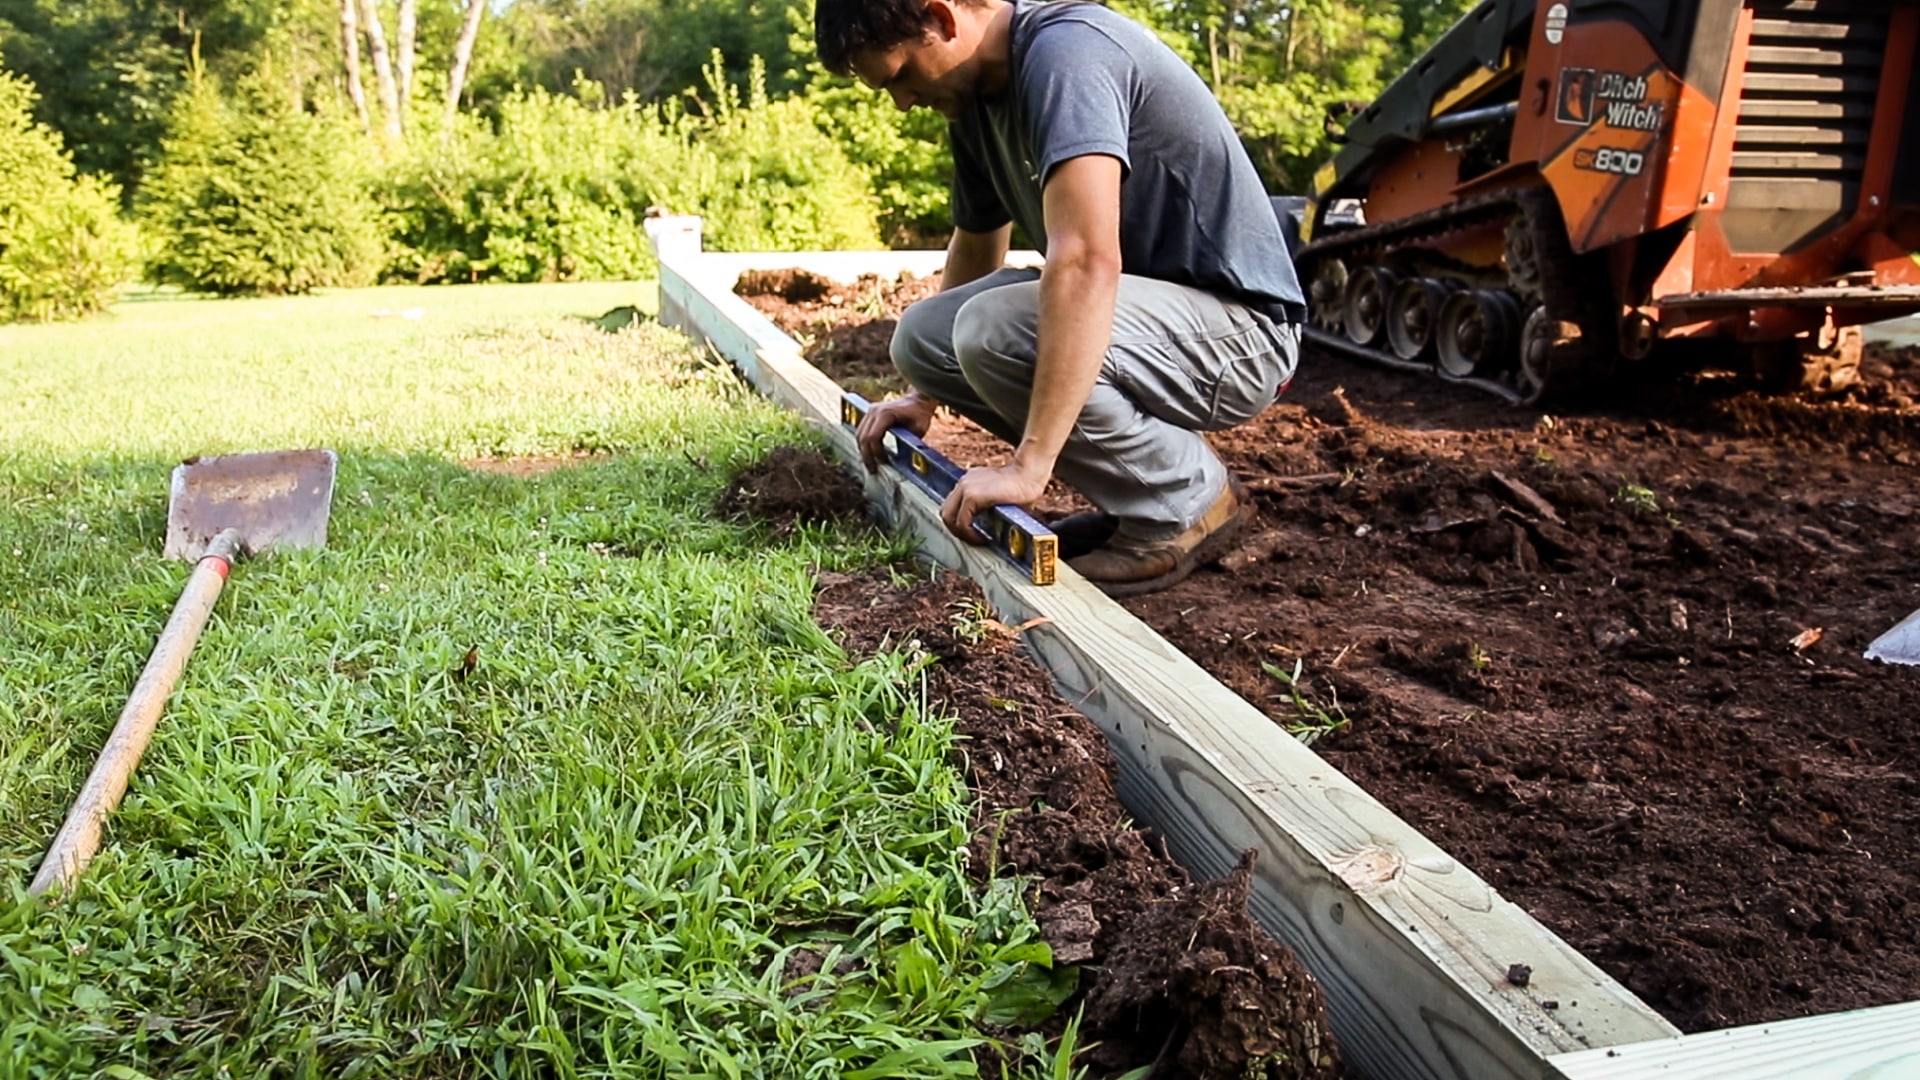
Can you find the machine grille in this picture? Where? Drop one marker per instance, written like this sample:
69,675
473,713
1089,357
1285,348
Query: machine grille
1805,118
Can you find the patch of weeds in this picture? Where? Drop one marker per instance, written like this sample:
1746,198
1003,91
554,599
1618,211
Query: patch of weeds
873,302
1639,499
460,794
1478,658
1057,1061
972,621
1311,718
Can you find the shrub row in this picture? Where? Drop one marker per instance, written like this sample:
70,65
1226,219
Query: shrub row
557,187
255,193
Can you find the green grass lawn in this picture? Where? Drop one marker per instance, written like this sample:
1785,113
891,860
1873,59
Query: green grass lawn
590,856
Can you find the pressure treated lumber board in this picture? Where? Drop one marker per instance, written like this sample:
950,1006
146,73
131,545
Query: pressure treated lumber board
1411,948
1880,1044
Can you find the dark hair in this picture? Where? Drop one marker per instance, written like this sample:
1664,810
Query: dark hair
842,28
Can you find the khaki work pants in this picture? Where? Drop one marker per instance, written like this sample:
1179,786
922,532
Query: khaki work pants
1182,361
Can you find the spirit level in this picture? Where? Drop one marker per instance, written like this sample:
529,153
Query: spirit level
1011,531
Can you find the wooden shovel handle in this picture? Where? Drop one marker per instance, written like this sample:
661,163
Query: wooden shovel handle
79,838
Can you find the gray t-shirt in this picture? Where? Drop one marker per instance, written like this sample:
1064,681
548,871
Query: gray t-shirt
1086,80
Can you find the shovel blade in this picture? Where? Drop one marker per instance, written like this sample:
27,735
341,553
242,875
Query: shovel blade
274,499
1900,645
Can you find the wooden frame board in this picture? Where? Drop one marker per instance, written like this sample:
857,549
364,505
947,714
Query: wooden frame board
1866,1044
1411,948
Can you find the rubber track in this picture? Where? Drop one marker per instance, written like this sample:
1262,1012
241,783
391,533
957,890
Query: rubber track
1563,285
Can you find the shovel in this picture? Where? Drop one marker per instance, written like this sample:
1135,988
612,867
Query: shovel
218,508
1900,645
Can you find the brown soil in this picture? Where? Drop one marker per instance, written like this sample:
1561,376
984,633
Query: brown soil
1170,971
1610,658
843,328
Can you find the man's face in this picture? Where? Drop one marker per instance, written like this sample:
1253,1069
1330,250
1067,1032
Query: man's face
924,72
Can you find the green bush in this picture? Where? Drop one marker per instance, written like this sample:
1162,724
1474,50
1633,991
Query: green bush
559,189
905,155
63,248
256,195
766,177
555,193
1282,125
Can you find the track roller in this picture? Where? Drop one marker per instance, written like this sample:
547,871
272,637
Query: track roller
1522,258
1413,312
1541,336
1327,294
1368,291
1478,332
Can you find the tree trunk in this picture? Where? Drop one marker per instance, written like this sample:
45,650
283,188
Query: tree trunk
350,49
403,52
382,68
462,54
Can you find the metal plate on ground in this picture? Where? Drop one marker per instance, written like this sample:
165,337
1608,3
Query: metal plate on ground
1900,645
274,499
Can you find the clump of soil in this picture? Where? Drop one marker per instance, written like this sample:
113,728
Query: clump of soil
789,487
1575,648
792,286
1196,968
1173,972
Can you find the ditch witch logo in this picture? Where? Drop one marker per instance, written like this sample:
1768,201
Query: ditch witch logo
1587,95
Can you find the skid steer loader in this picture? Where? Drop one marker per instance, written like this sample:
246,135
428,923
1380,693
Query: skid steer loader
1565,188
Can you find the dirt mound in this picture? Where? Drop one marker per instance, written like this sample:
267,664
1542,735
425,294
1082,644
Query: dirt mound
789,487
1608,656
792,286
1195,967
843,330
1106,895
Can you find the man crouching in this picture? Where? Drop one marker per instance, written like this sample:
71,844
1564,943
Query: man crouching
1167,305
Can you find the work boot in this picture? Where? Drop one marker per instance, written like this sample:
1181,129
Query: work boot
1131,568
1082,533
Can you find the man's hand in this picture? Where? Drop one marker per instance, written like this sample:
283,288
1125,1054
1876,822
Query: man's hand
983,489
913,412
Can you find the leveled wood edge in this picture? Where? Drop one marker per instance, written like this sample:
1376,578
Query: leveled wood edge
1411,948
1880,1043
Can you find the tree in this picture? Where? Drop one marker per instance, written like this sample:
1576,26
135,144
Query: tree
63,248
651,48
258,195
1276,65
108,71
383,82
403,52
463,53
350,56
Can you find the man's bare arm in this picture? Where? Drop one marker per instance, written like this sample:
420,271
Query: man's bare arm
972,256
1078,286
